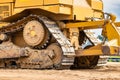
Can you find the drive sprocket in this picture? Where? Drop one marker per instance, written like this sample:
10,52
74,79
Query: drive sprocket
35,34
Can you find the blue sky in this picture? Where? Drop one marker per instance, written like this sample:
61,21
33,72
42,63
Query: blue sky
112,6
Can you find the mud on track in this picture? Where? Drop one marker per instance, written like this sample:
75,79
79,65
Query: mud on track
109,72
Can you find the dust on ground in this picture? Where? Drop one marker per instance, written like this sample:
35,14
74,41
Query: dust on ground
109,72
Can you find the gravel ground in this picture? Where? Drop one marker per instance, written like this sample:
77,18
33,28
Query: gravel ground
111,71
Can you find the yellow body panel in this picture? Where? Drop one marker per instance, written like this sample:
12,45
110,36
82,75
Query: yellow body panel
76,9
98,14
49,2
84,9
6,1
6,10
96,4
81,13
24,3
57,9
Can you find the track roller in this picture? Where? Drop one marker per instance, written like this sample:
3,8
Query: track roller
57,52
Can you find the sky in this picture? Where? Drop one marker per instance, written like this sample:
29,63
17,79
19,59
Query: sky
112,6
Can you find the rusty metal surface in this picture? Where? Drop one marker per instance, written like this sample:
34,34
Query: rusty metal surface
8,50
57,52
34,33
37,59
25,57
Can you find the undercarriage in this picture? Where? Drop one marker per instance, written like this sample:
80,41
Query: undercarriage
36,42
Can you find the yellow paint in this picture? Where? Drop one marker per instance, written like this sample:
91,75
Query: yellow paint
5,1
2,24
58,9
86,25
95,4
25,3
117,24
66,2
98,14
76,9
81,13
97,50
113,42
111,32
7,10
112,17
32,33
74,34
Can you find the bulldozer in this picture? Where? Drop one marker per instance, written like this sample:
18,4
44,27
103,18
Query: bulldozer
49,34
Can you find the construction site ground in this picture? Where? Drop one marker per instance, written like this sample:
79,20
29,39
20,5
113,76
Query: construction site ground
111,71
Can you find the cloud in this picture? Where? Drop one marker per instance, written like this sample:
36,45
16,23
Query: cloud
110,4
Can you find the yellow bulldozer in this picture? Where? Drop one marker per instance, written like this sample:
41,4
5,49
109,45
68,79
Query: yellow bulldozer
43,34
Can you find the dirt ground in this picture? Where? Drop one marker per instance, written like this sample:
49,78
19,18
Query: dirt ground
109,72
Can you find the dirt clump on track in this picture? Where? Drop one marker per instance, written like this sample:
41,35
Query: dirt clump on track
109,72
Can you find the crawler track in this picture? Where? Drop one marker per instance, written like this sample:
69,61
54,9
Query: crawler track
52,27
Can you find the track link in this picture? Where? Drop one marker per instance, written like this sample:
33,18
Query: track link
92,37
68,50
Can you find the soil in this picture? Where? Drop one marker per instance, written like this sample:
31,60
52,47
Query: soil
111,71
